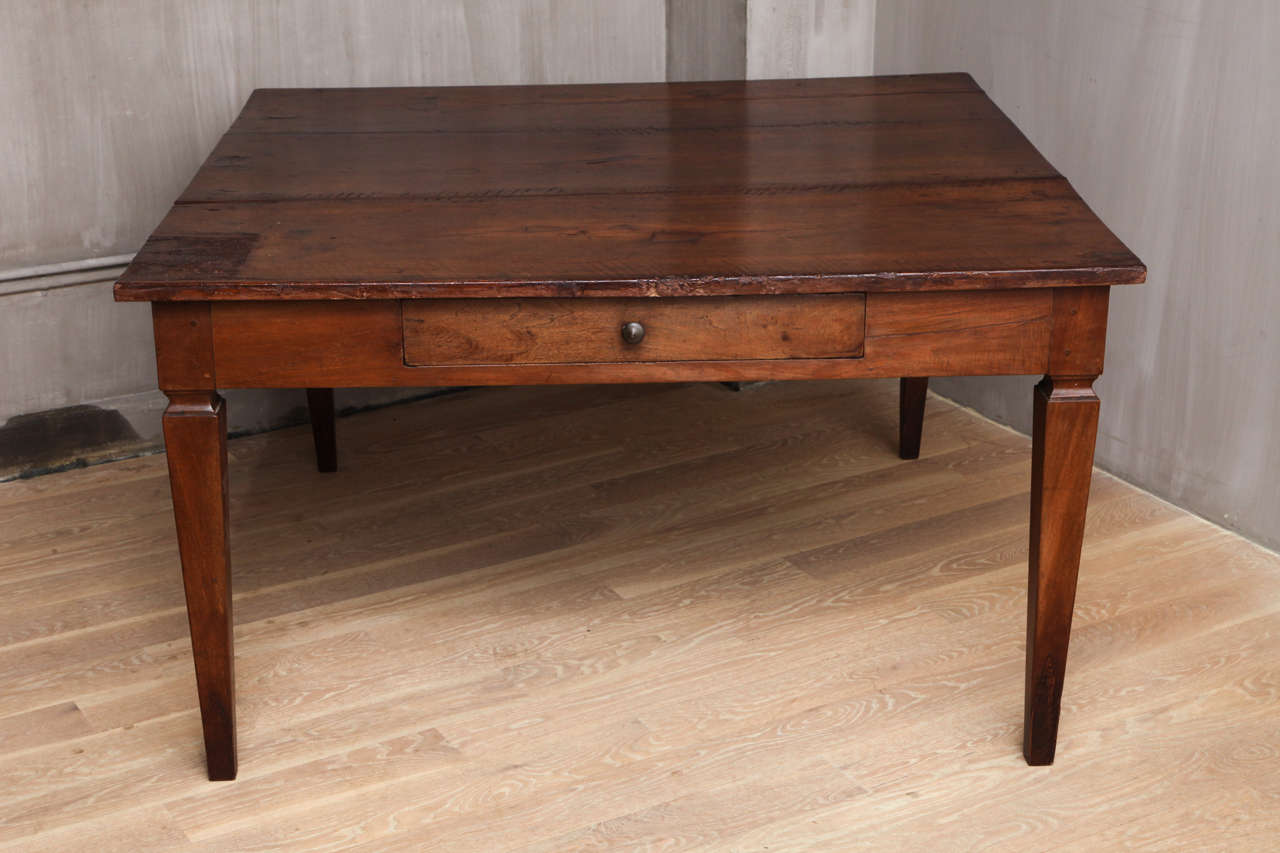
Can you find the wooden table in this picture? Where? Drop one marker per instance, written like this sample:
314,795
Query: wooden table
799,229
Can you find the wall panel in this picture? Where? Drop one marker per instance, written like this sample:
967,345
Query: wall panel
109,107
810,38
1165,117
706,39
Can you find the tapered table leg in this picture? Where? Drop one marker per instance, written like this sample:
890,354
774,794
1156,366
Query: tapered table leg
912,391
1065,428
195,435
323,428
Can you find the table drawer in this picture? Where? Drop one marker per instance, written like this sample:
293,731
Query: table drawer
561,331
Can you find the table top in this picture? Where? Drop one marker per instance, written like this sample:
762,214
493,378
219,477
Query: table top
778,186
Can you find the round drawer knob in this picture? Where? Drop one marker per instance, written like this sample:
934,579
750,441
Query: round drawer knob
632,333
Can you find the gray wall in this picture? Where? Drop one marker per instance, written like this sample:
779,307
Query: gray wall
810,38
706,39
107,108
1166,118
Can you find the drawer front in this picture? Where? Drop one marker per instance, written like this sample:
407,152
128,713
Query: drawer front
592,330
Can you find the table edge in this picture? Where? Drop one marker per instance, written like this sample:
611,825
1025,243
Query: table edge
232,290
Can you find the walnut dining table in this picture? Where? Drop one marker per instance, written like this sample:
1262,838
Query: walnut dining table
523,235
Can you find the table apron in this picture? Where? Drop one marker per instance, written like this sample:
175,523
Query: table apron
363,344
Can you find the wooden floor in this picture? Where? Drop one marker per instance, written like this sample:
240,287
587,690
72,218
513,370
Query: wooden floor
632,618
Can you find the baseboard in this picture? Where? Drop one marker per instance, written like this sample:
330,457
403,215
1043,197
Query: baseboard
122,427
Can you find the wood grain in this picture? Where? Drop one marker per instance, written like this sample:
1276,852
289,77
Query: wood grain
752,626
957,236
556,331
611,105
878,148
352,344
1079,338
836,185
323,428
912,391
184,346
195,437
1066,427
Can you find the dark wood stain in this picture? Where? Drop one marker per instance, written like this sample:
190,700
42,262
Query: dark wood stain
205,255
1065,427
558,331
804,229
323,428
195,438
912,392
801,186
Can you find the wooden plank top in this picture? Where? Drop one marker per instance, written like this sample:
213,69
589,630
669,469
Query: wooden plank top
781,186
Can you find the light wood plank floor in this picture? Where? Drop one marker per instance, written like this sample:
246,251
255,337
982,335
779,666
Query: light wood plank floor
632,618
